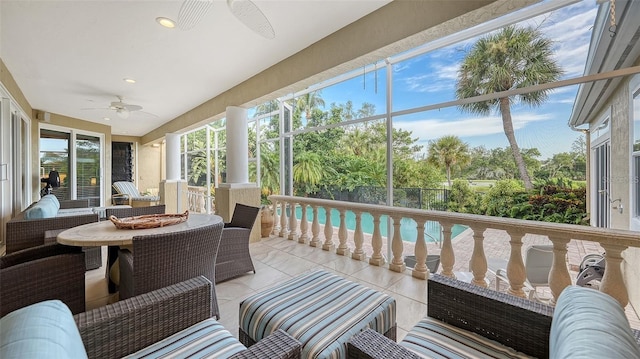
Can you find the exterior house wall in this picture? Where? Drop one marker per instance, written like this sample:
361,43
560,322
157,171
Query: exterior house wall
620,176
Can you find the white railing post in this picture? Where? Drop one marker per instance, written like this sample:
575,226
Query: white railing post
397,263
447,257
420,270
342,249
376,242
293,222
612,282
328,230
478,262
315,228
303,224
358,238
559,277
276,218
515,267
283,219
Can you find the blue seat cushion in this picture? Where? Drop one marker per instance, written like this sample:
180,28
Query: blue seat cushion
45,208
42,330
51,198
205,339
432,338
322,310
590,324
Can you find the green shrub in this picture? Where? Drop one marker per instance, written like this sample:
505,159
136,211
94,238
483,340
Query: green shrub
462,198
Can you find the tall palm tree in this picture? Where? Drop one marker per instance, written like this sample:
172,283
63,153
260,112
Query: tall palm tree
308,171
310,101
510,58
448,151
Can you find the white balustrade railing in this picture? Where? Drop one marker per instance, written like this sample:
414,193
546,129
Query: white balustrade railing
613,241
198,200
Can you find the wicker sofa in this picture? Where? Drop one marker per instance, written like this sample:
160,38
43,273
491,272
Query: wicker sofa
172,321
23,232
465,320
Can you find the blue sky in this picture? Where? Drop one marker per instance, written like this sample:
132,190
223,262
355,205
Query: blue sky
430,78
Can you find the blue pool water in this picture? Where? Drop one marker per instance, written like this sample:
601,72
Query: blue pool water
407,226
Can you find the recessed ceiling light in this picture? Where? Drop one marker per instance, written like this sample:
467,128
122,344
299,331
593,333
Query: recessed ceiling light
128,80
166,22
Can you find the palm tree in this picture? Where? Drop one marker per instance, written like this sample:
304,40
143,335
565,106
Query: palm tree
308,171
308,102
510,58
448,151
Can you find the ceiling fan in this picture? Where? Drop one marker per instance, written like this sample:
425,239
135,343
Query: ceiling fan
192,12
122,109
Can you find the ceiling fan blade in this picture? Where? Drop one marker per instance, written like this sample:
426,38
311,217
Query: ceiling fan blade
250,15
191,12
131,107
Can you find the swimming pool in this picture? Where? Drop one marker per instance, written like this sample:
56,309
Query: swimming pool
407,225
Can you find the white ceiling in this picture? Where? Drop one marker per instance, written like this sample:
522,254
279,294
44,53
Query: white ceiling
69,55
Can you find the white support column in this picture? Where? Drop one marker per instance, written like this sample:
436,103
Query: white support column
173,156
173,190
237,145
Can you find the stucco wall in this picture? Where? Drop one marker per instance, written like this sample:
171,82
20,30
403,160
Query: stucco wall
620,178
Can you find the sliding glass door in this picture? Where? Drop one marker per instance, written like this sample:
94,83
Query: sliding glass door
76,158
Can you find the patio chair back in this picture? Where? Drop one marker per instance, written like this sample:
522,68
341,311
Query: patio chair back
135,211
243,216
538,261
128,188
165,259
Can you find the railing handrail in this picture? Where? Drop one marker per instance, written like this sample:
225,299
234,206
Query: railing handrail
560,230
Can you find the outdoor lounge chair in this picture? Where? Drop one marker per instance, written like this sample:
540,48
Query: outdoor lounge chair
537,262
128,192
49,271
163,259
234,258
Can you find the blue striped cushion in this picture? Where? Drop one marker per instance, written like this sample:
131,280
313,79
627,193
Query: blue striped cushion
207,339
322,310
124,187
432,338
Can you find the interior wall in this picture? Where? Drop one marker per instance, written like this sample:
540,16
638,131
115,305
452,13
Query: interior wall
149,168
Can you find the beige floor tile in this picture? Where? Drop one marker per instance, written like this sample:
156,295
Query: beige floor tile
232,291
408,311
412,288
380,276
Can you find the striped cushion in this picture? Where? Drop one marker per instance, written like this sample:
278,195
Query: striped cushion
322,310
432,338
124,187
207,339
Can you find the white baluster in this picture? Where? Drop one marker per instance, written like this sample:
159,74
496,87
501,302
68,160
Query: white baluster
342,249
515,268
276,219
293,222
304,223
447,257
376,242
358,238
478,262
612,282
420,270
559,277
283,219
328,230
315,228
397,263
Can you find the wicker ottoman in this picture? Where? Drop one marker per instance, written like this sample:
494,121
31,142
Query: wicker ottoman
322,310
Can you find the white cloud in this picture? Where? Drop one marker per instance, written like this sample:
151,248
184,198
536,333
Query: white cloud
427,129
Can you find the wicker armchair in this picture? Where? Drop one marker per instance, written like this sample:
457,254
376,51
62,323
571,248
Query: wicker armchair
112,251
234,258
130,325
51,271
164,259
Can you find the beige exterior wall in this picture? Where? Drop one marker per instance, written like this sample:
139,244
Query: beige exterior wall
620,105
149,169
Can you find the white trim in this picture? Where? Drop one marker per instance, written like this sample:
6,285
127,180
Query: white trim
634,220
605,117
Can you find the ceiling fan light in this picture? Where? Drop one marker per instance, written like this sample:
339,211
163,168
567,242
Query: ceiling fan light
123,113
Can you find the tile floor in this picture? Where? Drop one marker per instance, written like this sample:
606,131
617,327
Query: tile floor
277,260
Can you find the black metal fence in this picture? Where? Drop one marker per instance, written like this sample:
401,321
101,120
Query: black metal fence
421,198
